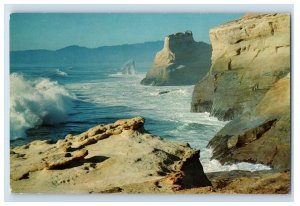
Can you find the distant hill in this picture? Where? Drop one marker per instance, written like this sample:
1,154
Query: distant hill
75,55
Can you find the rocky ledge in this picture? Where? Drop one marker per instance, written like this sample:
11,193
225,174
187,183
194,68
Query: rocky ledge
118,157
249,83
123,158
182,61
244,182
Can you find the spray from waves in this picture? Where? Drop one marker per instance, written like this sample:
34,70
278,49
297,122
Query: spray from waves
37,102
61,73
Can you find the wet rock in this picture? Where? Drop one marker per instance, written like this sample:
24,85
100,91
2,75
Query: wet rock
249,83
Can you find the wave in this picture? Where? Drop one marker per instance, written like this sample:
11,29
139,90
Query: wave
36,102
58,72
119,74
213,165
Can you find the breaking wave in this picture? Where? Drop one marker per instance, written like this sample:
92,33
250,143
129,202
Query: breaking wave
36,102
61,73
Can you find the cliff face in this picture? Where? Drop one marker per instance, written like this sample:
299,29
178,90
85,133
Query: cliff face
118,157
249,83
249,56
182,61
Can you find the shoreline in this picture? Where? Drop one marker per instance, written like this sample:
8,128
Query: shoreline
56,164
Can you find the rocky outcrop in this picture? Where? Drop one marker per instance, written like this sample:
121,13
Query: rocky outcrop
118,157
128,68
245,182
262,135
182,61
249,83
249,56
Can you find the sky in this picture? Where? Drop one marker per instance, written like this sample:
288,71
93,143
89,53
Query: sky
53,31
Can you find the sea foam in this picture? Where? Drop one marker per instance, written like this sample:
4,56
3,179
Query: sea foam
36,102
61,73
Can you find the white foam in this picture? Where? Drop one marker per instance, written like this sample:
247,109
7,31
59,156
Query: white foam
36,102
61,73
215,166
173,106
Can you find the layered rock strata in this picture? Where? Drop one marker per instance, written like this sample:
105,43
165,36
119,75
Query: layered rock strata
249,83
118,157
182,61
249,56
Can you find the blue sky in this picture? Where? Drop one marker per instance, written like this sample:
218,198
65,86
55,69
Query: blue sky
57,30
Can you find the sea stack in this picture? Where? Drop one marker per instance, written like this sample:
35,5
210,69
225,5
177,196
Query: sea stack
182,61
129,67
249,83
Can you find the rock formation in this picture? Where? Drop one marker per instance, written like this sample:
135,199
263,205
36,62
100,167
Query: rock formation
244,182
118,157
182,61
249,56
249,83
123,158
128,68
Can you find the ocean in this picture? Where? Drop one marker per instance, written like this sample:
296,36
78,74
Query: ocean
49,102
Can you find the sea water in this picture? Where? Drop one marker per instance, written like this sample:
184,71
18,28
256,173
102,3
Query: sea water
48,102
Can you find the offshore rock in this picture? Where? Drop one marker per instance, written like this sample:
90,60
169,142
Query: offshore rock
182,61
129,68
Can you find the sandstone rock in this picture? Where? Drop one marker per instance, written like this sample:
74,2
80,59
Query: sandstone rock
249,56
118,157
249,82
182,61
262,135
244,182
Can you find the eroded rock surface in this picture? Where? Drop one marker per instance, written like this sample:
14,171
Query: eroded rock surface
262,135
245,182
118,157
182,61
249,83
249,56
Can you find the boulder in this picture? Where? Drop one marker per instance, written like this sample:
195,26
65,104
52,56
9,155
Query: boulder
182,61
119,157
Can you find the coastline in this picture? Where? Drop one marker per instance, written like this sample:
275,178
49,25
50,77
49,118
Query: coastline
248,84
124,158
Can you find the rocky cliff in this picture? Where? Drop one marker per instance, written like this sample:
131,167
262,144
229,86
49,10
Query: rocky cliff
118,157
182,61
249,83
